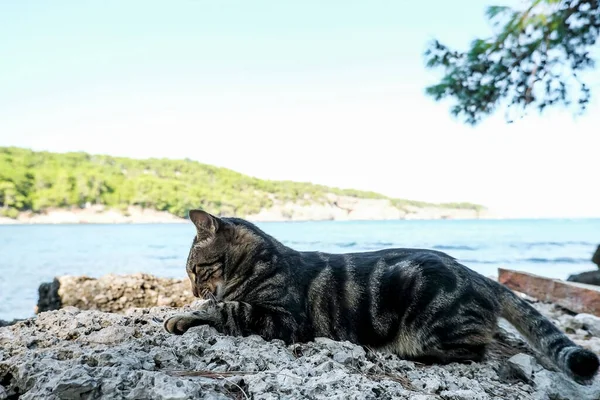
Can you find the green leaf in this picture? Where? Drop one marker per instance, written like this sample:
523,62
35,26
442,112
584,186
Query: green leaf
517,67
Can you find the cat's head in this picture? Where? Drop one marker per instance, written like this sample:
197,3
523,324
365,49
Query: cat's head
218,245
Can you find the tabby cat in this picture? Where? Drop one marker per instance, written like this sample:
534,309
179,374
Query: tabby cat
420,304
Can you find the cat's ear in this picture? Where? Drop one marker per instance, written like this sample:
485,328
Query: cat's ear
206,224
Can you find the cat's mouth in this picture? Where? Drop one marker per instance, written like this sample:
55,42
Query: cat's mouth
211,291
208,294
214,293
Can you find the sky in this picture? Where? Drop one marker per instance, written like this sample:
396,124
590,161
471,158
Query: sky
330,92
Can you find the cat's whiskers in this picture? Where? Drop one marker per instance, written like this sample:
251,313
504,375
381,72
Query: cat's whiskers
207,294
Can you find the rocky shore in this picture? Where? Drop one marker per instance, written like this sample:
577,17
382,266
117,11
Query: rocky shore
96,214
334,208
113,293
589,277
75,354
109,348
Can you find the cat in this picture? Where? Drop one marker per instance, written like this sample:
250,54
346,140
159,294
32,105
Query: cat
421,304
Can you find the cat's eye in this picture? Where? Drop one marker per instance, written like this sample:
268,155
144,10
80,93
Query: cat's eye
207,264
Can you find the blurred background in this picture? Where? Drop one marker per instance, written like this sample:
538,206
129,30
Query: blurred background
468,127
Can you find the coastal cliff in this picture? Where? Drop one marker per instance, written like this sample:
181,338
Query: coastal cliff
346,208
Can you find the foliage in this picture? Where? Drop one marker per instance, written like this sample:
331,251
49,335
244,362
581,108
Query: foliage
40,180
534,59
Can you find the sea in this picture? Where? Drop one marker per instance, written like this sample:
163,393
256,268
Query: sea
34,254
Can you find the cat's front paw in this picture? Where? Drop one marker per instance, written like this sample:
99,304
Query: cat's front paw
180,323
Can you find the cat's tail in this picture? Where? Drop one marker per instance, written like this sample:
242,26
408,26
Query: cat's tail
577,362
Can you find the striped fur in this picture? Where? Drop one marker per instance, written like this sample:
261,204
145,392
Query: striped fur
420,304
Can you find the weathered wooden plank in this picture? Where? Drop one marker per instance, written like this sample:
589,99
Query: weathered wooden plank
577,297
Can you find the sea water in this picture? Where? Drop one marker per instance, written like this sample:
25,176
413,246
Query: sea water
33,254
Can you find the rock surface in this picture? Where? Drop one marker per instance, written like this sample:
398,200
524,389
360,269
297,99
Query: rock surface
596,257
587,277
113,293
74,354
7,323
590,323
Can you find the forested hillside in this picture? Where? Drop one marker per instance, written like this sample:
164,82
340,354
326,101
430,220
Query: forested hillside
38,181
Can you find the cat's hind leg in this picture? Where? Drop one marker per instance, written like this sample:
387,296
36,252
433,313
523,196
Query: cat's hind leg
457,340
464,353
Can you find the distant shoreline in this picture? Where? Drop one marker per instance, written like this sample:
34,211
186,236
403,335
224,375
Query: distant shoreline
136,216
93,215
